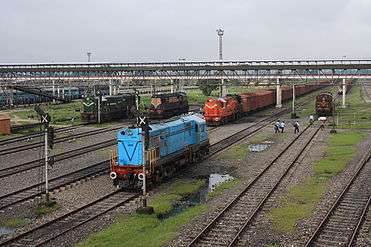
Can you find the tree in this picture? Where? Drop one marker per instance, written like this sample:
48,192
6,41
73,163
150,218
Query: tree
207,86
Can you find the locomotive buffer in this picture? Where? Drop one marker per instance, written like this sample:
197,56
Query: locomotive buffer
49,143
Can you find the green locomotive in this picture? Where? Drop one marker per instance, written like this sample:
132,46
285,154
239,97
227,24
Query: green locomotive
111,107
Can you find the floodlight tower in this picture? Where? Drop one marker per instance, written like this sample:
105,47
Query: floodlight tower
220,32
89,56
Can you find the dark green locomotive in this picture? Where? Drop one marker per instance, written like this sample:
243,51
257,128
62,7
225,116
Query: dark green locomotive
111,107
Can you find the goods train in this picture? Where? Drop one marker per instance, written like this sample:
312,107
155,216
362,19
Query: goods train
231,107
111,107
171,146
168,105
324,104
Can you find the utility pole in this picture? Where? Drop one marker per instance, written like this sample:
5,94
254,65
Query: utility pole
220,33
46,154
99,111
89,56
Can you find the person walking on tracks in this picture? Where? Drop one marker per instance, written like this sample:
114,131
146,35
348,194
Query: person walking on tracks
276,127
322,121
296,127
282,126
311,119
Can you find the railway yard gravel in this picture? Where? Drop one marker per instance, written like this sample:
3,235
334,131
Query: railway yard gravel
75,196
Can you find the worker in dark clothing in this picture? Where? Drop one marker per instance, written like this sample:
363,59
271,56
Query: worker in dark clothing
296,127
276,127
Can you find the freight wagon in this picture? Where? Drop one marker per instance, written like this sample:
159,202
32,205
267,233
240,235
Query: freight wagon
231,107
171,146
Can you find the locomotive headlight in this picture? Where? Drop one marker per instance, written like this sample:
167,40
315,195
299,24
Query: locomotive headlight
113,175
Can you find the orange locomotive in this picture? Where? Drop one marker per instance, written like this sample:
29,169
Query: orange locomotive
222,110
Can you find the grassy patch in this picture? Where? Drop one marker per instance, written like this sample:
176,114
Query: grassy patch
44,209
163,204
222,187
236,152
15,223
143,230
150,230
357,114
60,114
302,198
185,188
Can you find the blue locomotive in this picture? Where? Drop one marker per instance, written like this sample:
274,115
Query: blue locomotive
171,146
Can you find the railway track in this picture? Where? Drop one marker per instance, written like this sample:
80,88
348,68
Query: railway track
37,134
229,224
33,191
5,172
346,215
16,149
57,227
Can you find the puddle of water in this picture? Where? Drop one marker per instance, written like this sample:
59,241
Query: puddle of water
216,179
199,197
6,230
258,147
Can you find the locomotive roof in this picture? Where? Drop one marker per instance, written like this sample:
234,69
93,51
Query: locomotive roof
325,93
166,95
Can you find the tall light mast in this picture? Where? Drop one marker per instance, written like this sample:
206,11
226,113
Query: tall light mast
89,56
220,33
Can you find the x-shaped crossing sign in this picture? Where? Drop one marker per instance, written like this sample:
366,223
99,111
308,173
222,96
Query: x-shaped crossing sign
142,121
44,119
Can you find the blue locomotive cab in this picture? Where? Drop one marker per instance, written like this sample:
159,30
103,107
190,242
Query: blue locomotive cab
171,146
129,147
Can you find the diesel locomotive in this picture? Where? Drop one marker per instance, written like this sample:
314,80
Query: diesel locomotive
324,104
232,107
166,148
111,107
168,105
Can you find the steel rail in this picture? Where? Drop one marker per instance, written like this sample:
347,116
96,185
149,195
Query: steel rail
5,172
21,148
33,191
245,190
317,232
67,222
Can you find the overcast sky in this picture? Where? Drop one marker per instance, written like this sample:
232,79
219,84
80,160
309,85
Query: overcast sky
166,30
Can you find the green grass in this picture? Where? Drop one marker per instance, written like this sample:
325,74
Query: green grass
163,204
236,152
150,230
61,113
186,188
43,209
14,222
222,187
301,200
143,230
357,114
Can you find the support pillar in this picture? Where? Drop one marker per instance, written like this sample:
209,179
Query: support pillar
58,92
293,113
11,97
110,88
344,91
53,91
278,94
172,87
223,89
153,89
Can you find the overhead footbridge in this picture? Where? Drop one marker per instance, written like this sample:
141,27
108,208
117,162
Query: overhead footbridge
240,70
